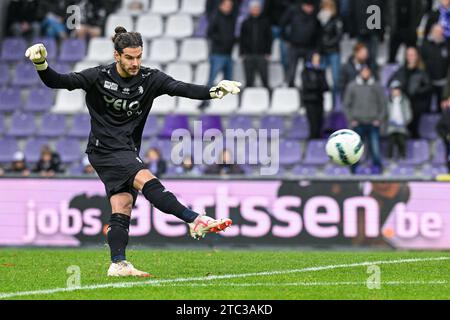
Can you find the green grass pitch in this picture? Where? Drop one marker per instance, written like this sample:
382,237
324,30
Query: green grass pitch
227,274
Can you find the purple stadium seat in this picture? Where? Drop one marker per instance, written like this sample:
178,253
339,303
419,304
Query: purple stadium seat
39,100
240,122
433,171
337,171
315,153
2,124
165,146
387,73
22,125
13,49
8,147
25,75
33,149
403,171
299,129
290,152
52,125
304,171
427,127
273,122
76,169
72,50
151,128
50,44
418,152
364,170
439,157
10,99
335,121
209,122
4,74
201,31
69,150
81,126
172,123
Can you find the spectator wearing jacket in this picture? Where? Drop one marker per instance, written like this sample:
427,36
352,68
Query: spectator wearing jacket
93,18
443,129
442,16
354,65
399,115
256,45
274,11
314,86
404,19
22,18
332,32
54,16
365,107
302,31
416,84
436,55
49,163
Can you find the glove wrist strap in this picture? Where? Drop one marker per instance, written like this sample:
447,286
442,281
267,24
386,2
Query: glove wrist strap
41,66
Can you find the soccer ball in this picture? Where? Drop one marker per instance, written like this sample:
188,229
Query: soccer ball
345,147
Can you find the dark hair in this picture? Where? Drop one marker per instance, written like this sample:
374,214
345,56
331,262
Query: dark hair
123,39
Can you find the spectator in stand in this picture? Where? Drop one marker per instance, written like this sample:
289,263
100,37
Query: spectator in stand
274,10
436,55
404,19
302,30
443,129
399,115
333,30
213,7
416,85
225,166
314,86
256,45
365,106
221,32
187,167
441,16
2,172
155,162
54,16
93,18
22,18
19,165
359,27
49,163
355,64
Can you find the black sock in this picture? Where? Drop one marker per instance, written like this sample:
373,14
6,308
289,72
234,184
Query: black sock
166,202
119,225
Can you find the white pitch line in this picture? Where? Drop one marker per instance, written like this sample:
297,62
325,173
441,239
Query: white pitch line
302,284
226,276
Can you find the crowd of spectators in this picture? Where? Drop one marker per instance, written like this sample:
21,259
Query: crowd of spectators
310,32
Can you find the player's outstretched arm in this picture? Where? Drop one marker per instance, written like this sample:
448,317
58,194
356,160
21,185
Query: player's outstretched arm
177,88
52,79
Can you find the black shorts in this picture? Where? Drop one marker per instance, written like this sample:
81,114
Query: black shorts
117,170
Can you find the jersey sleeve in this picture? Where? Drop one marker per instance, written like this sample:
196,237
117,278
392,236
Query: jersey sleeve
172,87
71,81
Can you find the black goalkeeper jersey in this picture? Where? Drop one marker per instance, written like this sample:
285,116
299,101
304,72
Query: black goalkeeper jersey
118,106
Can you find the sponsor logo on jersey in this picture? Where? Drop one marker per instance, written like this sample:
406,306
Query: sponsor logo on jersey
111,86
141,90
131,108
126,91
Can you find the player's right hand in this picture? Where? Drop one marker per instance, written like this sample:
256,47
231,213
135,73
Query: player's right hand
224,88
38,55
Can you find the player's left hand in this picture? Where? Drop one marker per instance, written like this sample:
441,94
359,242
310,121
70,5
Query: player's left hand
225,87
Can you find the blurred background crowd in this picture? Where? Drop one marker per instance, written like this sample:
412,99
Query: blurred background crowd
384,75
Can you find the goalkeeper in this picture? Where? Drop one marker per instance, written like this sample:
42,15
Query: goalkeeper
119,97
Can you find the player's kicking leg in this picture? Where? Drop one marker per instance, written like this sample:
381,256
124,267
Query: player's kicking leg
165,201
119,225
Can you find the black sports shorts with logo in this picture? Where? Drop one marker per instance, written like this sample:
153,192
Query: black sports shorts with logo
117,170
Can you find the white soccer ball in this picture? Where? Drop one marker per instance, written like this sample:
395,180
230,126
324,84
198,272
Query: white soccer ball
345,147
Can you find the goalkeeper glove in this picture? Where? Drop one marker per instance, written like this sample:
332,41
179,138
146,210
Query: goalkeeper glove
38,55
223,88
